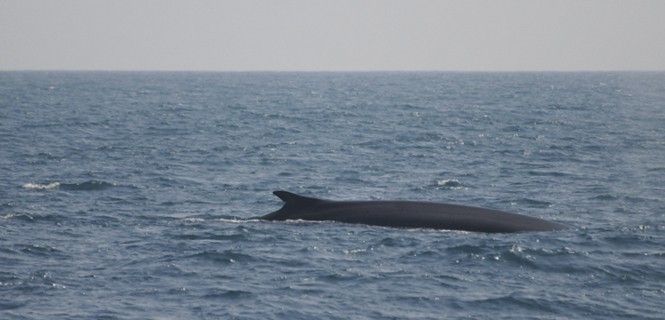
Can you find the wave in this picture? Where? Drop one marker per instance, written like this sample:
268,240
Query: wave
90,185
538,173
534,203
210,236
25,217
37,186
42,250
227,294
224,257
604,197
449,184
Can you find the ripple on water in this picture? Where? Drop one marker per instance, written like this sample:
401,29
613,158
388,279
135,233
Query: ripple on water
11,305
533,303
42,250
534,203
227,294
211,236
222,257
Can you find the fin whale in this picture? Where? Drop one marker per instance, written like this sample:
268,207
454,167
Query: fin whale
406,214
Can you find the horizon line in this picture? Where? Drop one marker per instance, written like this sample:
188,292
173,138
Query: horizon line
337,71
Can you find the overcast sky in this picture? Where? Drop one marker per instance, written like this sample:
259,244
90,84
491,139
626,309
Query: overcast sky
332,35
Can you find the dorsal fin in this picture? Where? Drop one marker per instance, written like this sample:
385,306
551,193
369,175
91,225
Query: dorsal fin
294,199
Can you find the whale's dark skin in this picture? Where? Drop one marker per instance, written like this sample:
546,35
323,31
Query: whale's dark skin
407,214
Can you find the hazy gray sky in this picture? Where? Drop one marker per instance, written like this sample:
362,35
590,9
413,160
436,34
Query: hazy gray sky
332,35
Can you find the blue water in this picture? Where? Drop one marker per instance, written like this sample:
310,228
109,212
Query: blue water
131,195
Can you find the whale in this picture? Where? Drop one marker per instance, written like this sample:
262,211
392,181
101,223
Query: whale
407,214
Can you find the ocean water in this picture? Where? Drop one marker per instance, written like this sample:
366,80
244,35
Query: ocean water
134,195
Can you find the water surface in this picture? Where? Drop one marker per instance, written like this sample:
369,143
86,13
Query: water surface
130,195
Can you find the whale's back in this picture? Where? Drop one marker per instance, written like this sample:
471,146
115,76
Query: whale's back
407,214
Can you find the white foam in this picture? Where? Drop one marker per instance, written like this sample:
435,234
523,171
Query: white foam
16,215
37,186
237,220
8,216
449,183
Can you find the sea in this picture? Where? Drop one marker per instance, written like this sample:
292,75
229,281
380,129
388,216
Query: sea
135,195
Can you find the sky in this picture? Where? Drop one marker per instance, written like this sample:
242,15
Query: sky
334,35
